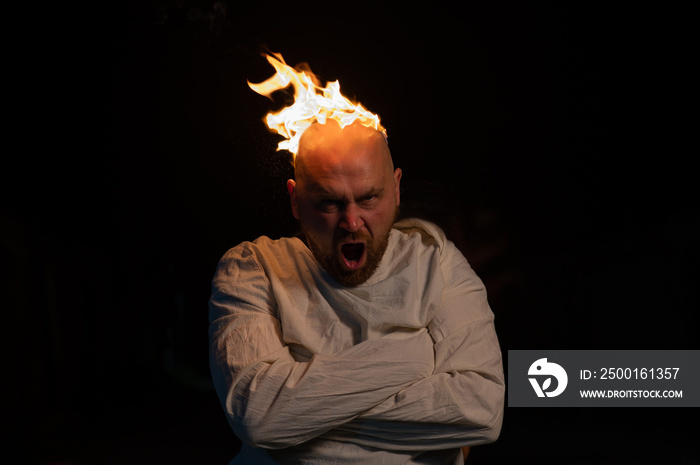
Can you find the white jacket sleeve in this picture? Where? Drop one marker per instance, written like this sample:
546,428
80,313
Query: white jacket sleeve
462,402
273,401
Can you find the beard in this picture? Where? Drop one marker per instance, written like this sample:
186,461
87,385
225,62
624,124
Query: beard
331,262
329,256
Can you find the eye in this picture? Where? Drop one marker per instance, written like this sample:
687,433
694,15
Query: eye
328,205
368,200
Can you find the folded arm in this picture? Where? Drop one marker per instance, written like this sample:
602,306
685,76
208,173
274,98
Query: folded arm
462,402
273,401
447,409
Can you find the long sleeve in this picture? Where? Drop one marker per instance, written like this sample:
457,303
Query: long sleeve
462,402
271,399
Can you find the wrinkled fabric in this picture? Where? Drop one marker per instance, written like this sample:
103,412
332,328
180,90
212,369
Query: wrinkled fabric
403,369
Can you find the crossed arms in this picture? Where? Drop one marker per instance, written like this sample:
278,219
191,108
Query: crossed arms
437,388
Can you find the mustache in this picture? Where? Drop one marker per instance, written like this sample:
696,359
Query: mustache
344,235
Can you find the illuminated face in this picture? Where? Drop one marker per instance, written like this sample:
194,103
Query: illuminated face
346,197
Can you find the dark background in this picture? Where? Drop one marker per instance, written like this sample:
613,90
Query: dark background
554,143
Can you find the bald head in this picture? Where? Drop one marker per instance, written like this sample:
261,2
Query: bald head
330,146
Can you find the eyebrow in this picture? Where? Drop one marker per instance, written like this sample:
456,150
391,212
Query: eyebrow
320,191
372,192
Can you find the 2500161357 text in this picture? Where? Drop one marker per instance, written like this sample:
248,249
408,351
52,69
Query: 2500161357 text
630,373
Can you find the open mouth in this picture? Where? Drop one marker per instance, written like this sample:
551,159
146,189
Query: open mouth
353,254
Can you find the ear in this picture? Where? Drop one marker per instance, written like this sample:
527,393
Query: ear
291,188
397,182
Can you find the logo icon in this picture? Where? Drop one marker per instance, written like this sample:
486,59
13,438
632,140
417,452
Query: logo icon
544,370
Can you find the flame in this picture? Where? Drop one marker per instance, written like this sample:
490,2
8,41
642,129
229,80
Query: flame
312,103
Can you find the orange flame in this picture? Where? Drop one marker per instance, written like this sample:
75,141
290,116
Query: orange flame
312,103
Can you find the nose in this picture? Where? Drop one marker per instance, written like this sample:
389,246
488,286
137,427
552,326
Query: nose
351,220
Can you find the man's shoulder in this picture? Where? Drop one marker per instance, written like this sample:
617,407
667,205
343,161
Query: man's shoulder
426,232
281,262
265,246
422,237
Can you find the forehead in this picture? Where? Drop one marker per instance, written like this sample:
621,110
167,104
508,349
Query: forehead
354,180
354,153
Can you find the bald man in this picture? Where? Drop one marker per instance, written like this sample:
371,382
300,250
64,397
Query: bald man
346,197
364,341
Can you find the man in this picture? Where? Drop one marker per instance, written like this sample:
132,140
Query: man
364,342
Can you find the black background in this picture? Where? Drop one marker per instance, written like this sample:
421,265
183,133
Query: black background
554,143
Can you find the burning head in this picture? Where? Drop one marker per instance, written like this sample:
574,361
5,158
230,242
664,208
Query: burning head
312,103
346,191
